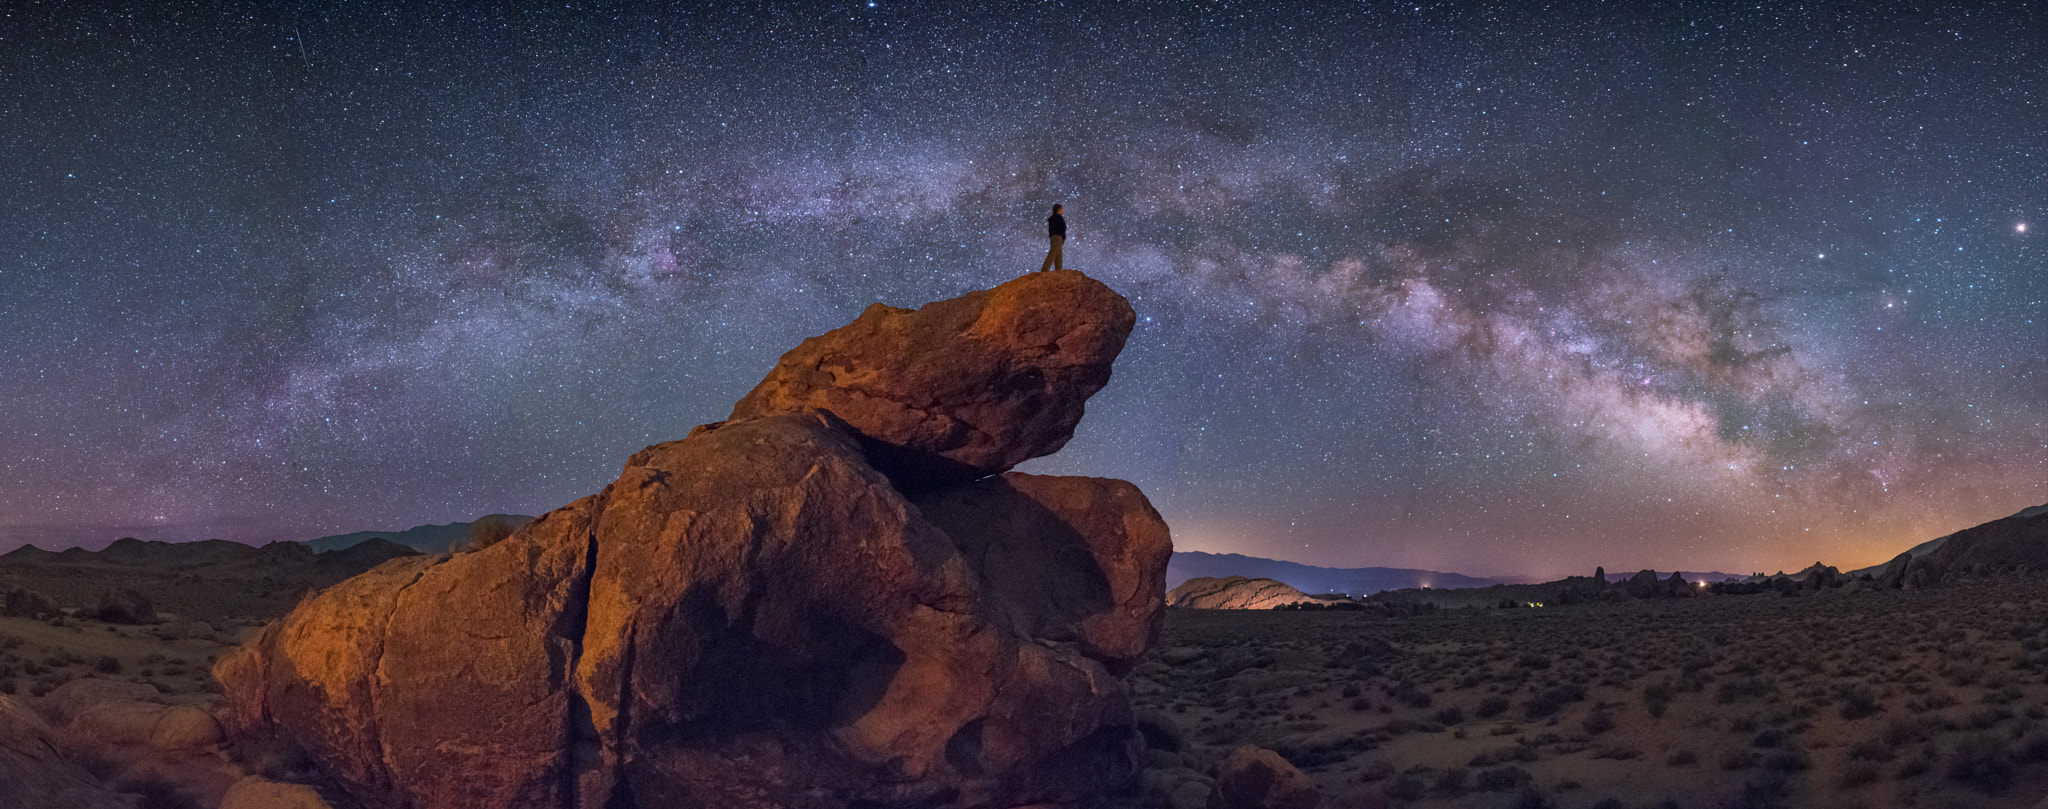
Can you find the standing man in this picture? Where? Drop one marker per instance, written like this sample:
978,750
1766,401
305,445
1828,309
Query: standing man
1056,227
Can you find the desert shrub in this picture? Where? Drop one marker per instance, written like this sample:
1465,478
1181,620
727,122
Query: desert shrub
1503,755
1790,759
2031,747
1533,798
107,665
2002,695
1987,718
1904,731
1450,716
1871,750
1742,689
1917,765
1598,722
1766,791
1617,752
1502,779
1491,707
1857,773
1768,737
1407,787
1451,781
1981,763
1856,702
1657,696
1351,691
1962,672
8,686
1533,661
1549,700
1682,757
1609,803
1411,696
1739,760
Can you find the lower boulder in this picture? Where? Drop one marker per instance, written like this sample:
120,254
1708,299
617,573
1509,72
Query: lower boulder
750,617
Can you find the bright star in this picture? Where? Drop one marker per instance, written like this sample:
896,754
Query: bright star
2021,227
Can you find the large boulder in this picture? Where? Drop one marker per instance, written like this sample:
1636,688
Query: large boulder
762,614
26,603
120,605
962,388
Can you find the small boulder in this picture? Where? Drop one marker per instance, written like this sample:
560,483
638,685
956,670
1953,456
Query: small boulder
183,727
1256,778
121,605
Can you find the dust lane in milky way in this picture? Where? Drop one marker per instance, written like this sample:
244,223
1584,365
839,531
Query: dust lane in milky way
1436,286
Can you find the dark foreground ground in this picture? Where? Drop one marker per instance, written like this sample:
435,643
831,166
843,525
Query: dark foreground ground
1929,698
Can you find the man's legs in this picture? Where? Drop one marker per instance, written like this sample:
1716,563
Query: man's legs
1053,259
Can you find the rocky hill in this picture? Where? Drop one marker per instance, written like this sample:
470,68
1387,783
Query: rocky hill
837,597
2015,543
204,580
1234,593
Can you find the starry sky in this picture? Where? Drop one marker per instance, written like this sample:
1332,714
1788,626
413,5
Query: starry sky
1481,287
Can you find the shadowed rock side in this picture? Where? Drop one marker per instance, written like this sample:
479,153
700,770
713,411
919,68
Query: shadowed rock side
754,616
1234,593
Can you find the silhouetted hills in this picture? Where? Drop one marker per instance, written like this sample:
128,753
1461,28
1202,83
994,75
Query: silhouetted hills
423,538
1356,581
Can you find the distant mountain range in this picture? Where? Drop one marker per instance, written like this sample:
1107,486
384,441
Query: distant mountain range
1356,581
423,538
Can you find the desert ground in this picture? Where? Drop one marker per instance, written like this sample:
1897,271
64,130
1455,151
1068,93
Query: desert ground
1920,698
1929,698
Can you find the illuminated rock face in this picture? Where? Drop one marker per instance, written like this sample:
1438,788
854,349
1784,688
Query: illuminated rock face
797,607
1234,593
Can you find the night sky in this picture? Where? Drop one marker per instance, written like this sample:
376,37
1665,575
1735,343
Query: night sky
1470,287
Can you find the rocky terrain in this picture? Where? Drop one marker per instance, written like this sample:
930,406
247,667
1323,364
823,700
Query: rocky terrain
1934,697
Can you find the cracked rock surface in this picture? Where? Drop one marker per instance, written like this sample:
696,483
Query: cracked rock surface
823,601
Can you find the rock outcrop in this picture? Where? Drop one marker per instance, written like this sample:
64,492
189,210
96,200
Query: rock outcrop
34,776
2018,542
1234,593
822,601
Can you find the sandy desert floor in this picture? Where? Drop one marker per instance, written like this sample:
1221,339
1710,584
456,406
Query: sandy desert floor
1934,698
1929,698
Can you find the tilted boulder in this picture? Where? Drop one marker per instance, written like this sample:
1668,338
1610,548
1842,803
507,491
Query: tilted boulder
962,388
781,610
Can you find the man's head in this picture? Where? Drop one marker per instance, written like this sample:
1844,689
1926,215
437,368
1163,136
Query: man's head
1056,209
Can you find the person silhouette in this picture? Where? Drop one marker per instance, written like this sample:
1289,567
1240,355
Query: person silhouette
1056,228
